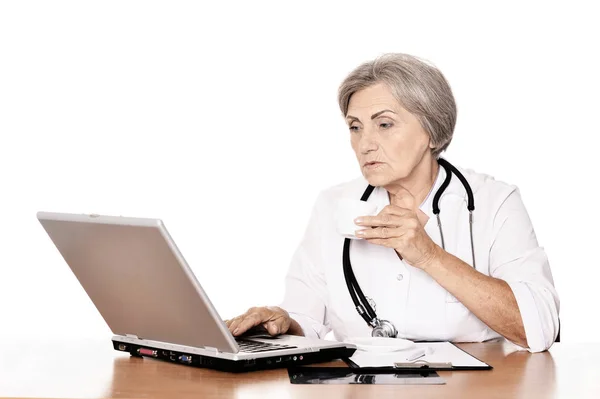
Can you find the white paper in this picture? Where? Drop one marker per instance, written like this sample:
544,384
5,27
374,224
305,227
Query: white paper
437,352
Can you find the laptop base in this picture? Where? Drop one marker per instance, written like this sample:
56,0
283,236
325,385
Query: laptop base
233,366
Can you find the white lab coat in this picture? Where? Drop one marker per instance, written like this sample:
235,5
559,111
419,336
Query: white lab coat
506,247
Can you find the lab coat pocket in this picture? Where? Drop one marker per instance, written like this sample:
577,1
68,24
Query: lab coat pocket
458,322
451,298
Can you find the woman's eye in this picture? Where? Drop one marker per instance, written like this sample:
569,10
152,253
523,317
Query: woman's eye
354,128
385,125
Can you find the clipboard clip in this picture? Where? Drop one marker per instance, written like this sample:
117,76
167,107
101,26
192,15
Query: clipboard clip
424,364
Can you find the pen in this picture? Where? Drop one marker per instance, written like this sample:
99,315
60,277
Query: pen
416,355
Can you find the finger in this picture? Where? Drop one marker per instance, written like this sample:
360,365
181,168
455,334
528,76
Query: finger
233,323
279,321
390,211
380,232
229,321
236,321
383,242
404,213
247,323
380,220
273,327
279,325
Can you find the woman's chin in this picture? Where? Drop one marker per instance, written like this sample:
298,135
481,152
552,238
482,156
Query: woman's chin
377,180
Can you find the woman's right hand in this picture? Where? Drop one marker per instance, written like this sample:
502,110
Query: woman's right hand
273,318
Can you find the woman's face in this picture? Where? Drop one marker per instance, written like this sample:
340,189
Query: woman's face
388,141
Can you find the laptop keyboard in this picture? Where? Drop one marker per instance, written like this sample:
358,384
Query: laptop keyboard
247,345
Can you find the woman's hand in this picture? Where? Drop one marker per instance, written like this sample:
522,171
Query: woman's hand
400,225
273,318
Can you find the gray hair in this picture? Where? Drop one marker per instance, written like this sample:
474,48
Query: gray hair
419,87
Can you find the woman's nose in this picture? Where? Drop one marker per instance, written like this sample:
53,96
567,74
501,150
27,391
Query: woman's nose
368,142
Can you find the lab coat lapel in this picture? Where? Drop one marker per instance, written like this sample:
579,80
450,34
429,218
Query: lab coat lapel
370,262
364,254
454,217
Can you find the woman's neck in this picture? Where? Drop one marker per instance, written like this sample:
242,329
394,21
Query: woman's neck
420,181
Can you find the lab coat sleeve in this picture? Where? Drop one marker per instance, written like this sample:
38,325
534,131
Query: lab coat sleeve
305,285
516,257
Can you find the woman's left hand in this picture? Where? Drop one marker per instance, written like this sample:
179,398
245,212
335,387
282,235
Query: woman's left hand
399,226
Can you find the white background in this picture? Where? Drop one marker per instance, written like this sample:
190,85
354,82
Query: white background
221,119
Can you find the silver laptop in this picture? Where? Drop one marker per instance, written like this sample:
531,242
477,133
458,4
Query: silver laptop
149,297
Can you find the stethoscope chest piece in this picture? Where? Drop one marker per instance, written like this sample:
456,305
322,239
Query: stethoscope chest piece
385,329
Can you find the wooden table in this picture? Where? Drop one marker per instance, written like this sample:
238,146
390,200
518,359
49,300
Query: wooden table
94,369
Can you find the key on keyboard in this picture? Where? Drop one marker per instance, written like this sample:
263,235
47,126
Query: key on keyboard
247,345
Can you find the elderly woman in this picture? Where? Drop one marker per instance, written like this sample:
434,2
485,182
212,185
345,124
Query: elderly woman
443,260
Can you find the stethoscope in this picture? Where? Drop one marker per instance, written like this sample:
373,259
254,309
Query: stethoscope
366,307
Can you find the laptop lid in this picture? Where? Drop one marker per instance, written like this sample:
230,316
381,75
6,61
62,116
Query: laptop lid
137,278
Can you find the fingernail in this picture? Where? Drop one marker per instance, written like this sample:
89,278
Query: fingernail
358,220
236,331
359,232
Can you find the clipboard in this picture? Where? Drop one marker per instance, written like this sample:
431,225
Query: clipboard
449,357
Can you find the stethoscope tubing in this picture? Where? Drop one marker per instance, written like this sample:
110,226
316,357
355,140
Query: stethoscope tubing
363,307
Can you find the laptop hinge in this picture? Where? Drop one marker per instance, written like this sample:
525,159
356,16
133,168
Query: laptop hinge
132,336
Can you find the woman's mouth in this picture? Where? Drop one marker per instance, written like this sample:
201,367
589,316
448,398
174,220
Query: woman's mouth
372,165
